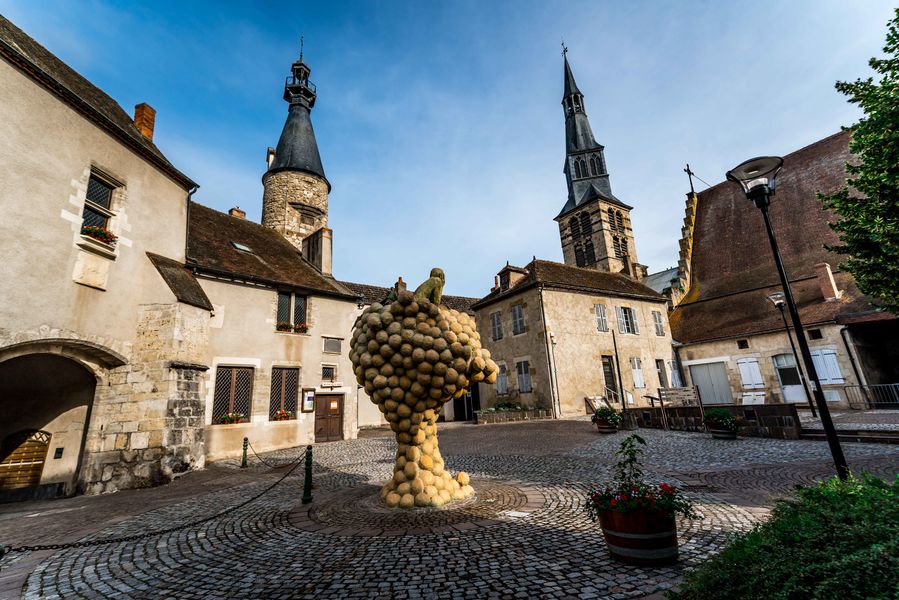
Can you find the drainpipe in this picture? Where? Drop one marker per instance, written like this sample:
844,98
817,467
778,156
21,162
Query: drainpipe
850,350
190,193
618,369
550,363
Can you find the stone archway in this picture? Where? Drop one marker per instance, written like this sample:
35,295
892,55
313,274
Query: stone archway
45,400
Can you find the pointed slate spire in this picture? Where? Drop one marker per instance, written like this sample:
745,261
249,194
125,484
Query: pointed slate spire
297,149
570,84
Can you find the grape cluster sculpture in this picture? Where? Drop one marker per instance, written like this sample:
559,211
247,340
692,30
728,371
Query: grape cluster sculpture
413,355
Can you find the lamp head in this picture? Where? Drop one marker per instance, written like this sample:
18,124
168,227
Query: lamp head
778,300
757,177
360,301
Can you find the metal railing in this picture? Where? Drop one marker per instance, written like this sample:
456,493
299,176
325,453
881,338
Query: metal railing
881,395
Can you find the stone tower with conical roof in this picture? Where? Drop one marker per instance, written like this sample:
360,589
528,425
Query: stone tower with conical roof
594,225
295,200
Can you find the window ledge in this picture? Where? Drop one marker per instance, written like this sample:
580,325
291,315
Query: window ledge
293,333
97,247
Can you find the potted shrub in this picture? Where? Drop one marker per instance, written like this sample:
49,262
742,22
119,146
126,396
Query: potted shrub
637,518
231,418
283,415
101,234
284,326
606,419
721,423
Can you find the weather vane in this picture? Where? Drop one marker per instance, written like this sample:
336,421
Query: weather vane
564,48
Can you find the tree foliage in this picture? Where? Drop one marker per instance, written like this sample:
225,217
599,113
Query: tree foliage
868,207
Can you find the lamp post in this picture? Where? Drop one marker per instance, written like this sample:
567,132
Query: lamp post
777,299
757,177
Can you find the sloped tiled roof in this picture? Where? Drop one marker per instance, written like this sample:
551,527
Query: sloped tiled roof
46,69
374,293
272,260
181,281
559,276
660,281
732,268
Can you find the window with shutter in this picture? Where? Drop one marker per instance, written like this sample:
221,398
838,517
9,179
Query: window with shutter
675,374
657,321
523,370
502,381
750,374
627,320
517,319
496,325
602,323
827,366
637,372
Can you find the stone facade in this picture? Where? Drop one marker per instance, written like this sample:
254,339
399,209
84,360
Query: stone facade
295,204
604,236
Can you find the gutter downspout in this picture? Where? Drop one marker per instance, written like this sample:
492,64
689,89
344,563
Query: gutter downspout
850,350
551,368
190,193
618,369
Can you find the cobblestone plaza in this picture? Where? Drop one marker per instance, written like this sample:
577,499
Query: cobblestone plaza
524,534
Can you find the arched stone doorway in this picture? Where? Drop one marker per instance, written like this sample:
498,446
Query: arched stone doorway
45,400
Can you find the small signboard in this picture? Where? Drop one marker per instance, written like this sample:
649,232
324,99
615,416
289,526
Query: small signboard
333,405
308,400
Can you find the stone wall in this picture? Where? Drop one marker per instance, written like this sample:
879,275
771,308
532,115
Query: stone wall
294,204
769,420
506,416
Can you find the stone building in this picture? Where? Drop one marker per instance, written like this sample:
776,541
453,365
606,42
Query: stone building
588,328
142,334
732,339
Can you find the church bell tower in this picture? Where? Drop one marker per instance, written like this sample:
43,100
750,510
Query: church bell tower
594,225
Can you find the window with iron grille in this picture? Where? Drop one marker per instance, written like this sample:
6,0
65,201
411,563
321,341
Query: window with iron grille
233,392
284,392
97,203
658,323
332,345
517,319
291,312
496,325
602,323
523,369
329,372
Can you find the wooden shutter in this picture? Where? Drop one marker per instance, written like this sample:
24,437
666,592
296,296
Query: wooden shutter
827,367
619,314
750,374
602,323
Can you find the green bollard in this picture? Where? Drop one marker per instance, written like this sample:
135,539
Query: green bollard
243,460
307,480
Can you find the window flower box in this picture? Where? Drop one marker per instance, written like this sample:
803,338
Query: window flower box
285,327
300,328
101,234
283,415
231,418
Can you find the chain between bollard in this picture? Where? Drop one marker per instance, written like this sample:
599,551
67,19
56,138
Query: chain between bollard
4,550
307,479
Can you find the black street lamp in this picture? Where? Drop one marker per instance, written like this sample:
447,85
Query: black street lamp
777,299
757,178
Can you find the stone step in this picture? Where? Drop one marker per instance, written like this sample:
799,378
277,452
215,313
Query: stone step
870,436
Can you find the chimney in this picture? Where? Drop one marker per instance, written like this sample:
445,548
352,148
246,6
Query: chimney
236,212
145,119
317,250
826,282
495,283
269,157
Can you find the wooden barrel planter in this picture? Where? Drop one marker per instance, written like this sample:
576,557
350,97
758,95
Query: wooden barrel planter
642,537
604,427
723,434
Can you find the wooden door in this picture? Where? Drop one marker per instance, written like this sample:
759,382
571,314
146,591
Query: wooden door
711,380
328,417
24,454
608,375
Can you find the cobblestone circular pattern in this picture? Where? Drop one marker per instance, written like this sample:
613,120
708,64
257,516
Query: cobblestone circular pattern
358,511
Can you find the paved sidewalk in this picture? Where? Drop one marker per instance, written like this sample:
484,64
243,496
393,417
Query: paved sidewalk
524,535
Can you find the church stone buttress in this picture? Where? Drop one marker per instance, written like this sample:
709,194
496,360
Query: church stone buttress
594,225
295,200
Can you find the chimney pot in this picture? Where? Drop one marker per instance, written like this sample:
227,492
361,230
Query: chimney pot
269,156
145,119
236,212
826,282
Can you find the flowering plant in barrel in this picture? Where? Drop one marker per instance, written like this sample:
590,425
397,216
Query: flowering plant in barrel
721,423
637,518
606,419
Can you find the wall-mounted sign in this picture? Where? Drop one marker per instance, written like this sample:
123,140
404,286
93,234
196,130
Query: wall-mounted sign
308,400
333,405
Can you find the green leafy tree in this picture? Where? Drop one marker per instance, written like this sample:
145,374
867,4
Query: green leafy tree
868,207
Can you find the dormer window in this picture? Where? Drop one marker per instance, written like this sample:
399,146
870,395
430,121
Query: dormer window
242,247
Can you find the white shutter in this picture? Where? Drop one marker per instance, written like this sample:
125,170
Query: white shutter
619,315
750,373
601,322
636,321
820,367
827,367
675,375
637,372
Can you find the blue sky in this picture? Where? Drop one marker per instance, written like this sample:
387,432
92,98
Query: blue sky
439,123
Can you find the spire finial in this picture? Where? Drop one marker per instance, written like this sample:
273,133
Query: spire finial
564,49
301,48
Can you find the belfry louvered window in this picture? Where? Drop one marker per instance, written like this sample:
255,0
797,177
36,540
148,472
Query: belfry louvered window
592,166
589,253
575,227
285,388
612,224
586,223
579,254
577,169
233,393
619,220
